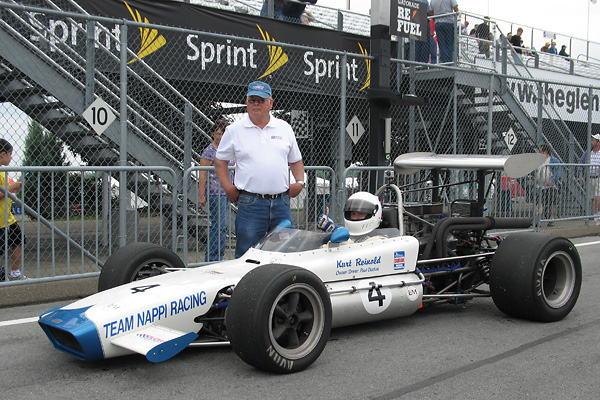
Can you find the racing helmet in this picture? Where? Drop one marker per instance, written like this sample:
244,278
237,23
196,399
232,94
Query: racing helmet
363,202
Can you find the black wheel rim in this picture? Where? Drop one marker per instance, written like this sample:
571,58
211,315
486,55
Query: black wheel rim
297,319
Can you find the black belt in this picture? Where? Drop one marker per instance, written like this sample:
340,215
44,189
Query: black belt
594,176
265,196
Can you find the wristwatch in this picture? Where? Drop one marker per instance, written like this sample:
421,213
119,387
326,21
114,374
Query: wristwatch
302,183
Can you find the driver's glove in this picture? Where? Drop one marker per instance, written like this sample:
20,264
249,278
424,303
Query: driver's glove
325,223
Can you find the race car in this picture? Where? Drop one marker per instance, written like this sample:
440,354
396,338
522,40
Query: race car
276,304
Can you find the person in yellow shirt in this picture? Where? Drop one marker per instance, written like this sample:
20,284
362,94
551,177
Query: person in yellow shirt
11,237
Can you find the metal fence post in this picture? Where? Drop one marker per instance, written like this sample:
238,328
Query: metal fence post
123,145
338,197
90,58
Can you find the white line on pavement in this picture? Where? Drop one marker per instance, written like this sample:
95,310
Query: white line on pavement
18,321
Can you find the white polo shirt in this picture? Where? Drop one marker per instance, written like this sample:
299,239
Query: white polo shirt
262,156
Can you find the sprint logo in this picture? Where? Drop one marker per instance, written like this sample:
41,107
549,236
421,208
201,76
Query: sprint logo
368,63
151,40
277,58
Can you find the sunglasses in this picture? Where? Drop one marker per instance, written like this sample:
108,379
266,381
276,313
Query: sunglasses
260,100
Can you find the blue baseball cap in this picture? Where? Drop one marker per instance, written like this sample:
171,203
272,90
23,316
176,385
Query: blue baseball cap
260,89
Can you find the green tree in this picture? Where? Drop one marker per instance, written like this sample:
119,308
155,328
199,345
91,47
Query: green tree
45,191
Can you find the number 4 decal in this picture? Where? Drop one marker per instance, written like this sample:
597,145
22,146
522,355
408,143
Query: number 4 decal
377,289
142,289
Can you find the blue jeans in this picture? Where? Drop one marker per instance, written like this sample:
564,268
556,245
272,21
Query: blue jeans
445,35
256,217
217,234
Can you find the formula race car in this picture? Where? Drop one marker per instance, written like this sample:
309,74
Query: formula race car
277,304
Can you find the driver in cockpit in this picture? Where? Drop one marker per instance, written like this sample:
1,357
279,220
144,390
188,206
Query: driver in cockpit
362,214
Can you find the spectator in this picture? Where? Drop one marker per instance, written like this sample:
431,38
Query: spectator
307,17
277,8
563,51
422,48
594,158
292,11
10,231
483,33
464,30
517,44
548,183
444,27
217,200
516,41
545,48
553,49
264,150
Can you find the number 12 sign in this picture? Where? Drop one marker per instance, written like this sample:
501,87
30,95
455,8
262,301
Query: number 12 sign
99,115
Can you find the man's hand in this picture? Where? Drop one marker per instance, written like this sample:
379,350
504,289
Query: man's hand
231,192
295,189
325,223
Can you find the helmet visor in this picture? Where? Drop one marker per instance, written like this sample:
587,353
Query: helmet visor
360,206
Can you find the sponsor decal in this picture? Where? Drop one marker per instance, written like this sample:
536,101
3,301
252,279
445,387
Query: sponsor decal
399,261
412,293
150,338
154,314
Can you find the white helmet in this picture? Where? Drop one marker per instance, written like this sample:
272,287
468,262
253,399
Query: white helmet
366,203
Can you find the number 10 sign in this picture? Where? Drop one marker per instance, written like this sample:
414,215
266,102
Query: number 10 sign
99,115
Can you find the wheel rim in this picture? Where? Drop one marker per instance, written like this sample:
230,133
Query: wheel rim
150,268
558,279
297,319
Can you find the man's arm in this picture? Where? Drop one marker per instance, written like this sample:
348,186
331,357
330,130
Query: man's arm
297,169
222,171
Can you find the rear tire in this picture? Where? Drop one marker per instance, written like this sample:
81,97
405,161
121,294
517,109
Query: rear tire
279,318
136,261
536,276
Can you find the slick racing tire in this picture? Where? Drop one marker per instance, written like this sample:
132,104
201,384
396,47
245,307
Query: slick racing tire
134,262
279,318
535,276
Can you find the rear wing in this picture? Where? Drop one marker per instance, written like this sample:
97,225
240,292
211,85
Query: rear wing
515,166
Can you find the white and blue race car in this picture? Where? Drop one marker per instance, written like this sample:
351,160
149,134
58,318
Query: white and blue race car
277,304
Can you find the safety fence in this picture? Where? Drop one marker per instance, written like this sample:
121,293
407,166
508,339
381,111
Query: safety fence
55,63
71,220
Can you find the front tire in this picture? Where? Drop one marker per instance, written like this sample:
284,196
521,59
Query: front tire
136,261
279,318
536,277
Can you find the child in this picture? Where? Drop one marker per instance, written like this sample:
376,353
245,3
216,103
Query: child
10,231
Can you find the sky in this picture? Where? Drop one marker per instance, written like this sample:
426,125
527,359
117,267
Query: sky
567,18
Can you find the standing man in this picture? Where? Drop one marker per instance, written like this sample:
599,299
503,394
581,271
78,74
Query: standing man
594,174
517,44
548,183
444,27
483,34
262,148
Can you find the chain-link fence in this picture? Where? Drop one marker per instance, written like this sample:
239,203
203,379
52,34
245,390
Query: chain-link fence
64,76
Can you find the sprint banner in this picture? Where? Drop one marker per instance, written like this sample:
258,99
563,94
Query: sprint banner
194,56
